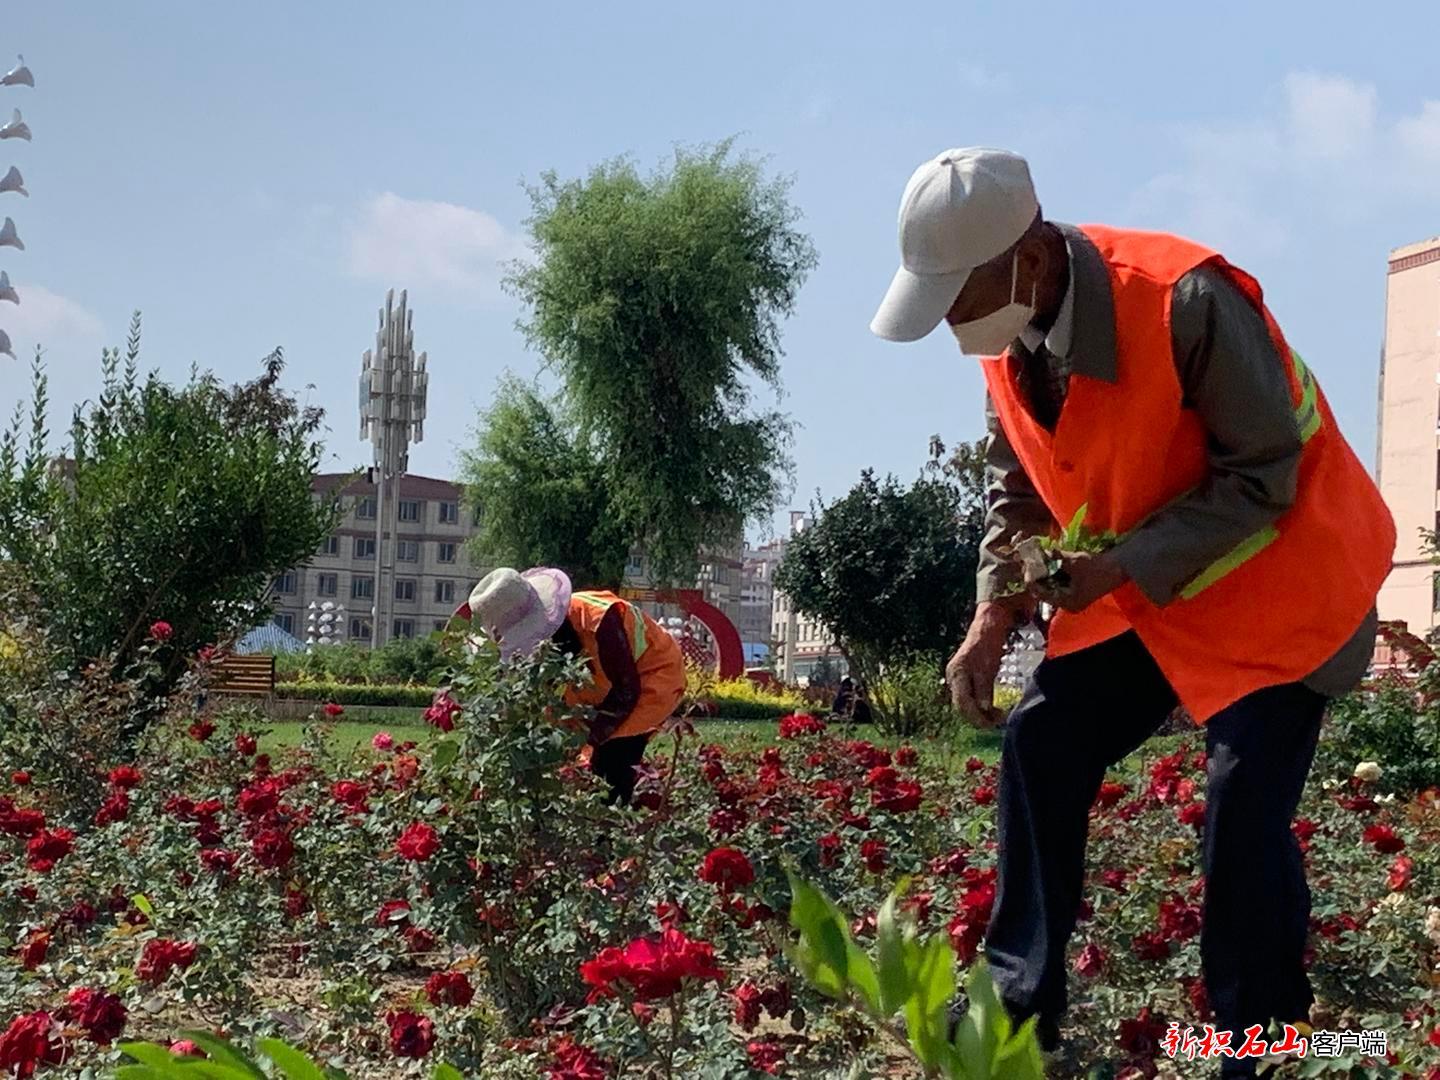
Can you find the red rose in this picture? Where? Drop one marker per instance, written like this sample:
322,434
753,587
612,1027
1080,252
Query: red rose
20,778
161,956
950,864
351,795
161,631
1192,814
47,848
872,853
186,1048
257,800
296,903
333,710
411,1035
393,913
31,1040
570,1061
1199,999
1179,921
907,756
125,776
766,1055
1091,961
1384,839
32,952
747,1006
201,730
116,807
727,822
778,1000
219,860
829,845
1151,945
245,744
984,795
727,869
442,712
901,798
273,848
102,1015
1401,871
1304,829
798,724
418,842
449,988
1111,793
882,776
974,765
1141,1037
867,754
650,967
1114,879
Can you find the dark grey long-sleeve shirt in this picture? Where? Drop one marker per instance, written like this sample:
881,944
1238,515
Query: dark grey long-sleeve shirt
1232,377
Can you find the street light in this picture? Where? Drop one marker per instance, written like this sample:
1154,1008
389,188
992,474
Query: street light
393,385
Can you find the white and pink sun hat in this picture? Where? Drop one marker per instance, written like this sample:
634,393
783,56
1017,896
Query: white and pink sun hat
519,610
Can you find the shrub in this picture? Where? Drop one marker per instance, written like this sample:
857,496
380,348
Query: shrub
397,662
357,693
910,699
741,699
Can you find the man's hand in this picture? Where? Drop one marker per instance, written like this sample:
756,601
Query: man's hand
1089,577
601,728
971,672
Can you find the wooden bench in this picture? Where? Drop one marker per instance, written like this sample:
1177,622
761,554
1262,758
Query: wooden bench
245,676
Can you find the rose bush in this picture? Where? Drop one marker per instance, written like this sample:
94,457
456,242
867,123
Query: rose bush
478,904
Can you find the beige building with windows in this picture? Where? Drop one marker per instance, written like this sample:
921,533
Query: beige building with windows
1408,465
433,570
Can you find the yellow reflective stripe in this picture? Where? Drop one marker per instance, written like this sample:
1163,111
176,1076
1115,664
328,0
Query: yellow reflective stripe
1241,553
1307,413
637,639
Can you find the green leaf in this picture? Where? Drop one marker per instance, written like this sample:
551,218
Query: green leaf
1071,535
142,902
292,1062
895,980
445,1071
826,955
445,752
147,1053
1020,1058
927,1010
222,1053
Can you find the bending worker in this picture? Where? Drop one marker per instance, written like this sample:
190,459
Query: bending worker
637,672
1139,376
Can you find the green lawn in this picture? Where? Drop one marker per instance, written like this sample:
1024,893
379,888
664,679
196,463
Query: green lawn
360,725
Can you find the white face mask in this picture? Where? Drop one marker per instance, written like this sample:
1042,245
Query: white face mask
993,333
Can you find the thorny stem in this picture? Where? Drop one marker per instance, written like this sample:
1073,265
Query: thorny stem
642,863
677,1008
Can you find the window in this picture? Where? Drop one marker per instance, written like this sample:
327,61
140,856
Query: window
360,629
331,546
364,547
409,510
365,508
405,589
285,621
449,513
285,583
439,626
446,552
362,588
1435,592
327,584
444,592
404,628
408,550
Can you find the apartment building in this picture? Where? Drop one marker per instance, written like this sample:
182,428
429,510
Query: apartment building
802,643
433,570
1408,464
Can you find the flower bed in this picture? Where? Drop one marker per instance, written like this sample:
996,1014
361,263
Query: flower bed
478,904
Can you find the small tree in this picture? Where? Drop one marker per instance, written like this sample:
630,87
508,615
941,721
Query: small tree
890,569
658,301
541,492
172,504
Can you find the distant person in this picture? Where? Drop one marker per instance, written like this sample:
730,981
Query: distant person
636,667
1138,378
851,702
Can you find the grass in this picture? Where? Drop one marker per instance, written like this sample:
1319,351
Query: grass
360,725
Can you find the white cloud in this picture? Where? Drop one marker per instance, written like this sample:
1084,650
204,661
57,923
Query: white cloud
1419,136
1330,117
54,322
408,242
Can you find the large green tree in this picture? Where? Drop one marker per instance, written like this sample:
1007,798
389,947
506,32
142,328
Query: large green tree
174,504
658,301
541,491
890,568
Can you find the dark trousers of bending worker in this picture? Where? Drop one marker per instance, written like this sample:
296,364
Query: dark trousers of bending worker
615,761
1085,712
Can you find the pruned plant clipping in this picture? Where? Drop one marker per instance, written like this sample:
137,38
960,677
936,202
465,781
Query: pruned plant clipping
1040,557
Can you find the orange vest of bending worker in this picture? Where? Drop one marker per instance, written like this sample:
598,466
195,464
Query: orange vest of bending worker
657,656
1281,603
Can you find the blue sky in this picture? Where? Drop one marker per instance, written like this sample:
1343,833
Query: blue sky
258,175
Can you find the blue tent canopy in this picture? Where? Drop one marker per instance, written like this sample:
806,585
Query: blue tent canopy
269,639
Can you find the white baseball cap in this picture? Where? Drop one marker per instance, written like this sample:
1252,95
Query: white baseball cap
958,211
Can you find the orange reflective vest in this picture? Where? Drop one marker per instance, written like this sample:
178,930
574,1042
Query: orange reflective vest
1285,600
657,656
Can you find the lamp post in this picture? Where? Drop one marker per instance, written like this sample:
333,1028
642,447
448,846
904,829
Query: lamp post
13,182
393,384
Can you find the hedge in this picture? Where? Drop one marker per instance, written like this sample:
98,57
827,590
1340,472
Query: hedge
356,693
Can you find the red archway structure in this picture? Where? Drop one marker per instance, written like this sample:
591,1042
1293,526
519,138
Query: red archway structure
730,654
